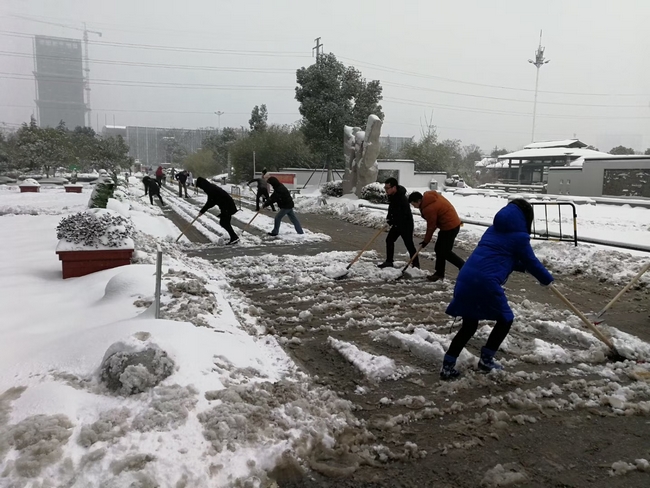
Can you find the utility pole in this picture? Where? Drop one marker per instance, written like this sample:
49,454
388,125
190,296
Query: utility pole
219,113
318,48
539,62
87,70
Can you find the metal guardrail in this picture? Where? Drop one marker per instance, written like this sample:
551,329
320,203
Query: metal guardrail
235,192
559,236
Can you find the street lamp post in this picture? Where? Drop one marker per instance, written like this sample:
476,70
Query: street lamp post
219,113
539,62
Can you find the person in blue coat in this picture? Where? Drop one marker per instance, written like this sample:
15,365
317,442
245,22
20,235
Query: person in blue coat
479,294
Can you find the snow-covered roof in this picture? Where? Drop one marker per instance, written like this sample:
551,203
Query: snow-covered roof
558,152
484,162
563,143
120,127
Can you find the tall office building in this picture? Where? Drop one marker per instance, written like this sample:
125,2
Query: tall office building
59,81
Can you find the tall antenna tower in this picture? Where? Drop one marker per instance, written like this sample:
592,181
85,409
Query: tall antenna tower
87,72
539,62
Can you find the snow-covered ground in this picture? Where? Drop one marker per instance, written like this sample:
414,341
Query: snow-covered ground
235,405
232,405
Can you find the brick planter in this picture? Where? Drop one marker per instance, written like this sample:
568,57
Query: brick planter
81,263
72,188
29,189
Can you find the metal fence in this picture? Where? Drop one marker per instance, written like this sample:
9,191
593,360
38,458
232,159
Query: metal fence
235,192
549,230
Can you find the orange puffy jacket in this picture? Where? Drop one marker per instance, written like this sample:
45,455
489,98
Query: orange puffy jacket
438,212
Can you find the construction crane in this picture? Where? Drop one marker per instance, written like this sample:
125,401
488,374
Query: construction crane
86,69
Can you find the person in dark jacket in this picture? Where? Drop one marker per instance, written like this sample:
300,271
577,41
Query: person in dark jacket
400,220
439,213
219,197
282,197
262,191
181,177
152,188
479,295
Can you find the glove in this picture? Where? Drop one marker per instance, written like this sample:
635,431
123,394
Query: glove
424,243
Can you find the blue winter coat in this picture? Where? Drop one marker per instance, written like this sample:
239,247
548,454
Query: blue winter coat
504,248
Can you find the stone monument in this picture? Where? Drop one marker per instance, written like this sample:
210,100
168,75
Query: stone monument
361,149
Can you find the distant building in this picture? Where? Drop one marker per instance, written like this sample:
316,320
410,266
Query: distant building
568,168
59,81
152,145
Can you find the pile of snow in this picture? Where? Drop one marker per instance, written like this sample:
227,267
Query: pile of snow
373,367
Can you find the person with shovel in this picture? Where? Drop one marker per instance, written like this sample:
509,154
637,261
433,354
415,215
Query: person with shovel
151,187
282,197
219,197
400,220
479,295
439,213
262,191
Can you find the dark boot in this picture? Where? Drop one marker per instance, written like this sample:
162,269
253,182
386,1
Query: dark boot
487,362
385,264
448,370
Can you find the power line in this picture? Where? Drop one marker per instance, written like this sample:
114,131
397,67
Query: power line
389,69
418,103
154,65
157,47
147,84
161,111
401,85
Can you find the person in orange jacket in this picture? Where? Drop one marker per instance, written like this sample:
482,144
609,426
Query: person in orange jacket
439,214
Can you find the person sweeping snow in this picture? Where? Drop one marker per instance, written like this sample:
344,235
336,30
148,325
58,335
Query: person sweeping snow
479,295
262,191
439,213
400,220
152,189
219,197
282,197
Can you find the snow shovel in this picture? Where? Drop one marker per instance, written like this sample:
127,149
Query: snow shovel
597,319
401,275
374,238
249,222
187,228
613,355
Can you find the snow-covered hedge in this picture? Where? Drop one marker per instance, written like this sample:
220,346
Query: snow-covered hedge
95,228
332,188
375,193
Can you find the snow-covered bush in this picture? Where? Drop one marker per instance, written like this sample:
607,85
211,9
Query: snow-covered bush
332,188
101,193
375,193
96,228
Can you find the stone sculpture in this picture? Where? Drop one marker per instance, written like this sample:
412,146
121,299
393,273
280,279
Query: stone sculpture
361,149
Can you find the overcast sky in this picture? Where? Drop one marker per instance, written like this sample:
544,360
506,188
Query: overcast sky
462,64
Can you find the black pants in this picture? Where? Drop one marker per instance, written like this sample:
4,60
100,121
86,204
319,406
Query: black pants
182,186
159,198
467,331
407,236
159,180
224,221
262,194
443,250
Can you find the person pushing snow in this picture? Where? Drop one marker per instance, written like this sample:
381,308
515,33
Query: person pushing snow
479,295
282,197
152,188
219,197
400,220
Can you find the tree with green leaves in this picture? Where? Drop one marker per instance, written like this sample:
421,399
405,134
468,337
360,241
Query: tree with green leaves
331,96
621,150
112,155
259,116
202,163
497,151
219,144
280,146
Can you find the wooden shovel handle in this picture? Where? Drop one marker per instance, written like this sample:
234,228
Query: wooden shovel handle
586,321
187,227
374,238
412,259
251,220
620,293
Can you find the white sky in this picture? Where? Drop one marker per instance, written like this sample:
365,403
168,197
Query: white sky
413,47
